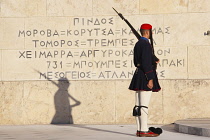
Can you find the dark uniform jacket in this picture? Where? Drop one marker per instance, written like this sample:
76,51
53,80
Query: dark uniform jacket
145,62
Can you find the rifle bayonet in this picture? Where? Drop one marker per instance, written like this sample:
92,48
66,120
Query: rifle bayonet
119,14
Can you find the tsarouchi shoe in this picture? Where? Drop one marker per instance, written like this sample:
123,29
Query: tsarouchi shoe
146,134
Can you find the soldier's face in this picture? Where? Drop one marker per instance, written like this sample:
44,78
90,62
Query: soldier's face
147,33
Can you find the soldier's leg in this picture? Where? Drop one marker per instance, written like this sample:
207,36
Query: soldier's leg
144,102
137,109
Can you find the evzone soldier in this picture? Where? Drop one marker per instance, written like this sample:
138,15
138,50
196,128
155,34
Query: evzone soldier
144,81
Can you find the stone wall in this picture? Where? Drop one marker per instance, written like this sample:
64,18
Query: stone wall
44,42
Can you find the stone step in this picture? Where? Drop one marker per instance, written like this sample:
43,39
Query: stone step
200,127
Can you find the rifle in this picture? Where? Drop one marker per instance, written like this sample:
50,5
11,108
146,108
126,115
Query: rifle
138,35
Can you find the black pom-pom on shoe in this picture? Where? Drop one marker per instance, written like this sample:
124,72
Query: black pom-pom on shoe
159,131
152,129
156,130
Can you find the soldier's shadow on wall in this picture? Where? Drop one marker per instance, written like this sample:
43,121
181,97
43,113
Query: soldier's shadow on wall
62,104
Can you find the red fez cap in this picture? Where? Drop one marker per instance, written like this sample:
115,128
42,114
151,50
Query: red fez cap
146,26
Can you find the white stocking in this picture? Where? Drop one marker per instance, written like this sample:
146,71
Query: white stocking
143,99
138,104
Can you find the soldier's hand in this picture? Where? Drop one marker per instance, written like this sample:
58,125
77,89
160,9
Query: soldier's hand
150,84
158,61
